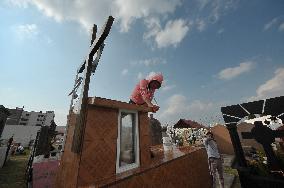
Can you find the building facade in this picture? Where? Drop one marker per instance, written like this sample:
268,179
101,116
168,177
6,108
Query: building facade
15,116
4,113
19,116
37,118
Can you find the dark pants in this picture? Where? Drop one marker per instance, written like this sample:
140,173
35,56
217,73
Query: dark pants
131,102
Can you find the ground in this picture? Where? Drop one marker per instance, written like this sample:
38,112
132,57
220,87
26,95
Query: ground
12,175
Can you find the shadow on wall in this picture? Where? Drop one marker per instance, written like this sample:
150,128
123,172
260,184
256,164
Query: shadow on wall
246,127
222,136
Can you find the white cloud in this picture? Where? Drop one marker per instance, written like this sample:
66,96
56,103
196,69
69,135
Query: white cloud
26,30
209,12
150,75
270,24
232,72
166,86
128,11
178,107
275,22
220,31
18,3
203,3
88,12
281,27
124,72
173,33
201,25
150,62
214,9
271,88
141,76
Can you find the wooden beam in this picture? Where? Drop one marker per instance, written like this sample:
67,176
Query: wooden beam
97,43
83,100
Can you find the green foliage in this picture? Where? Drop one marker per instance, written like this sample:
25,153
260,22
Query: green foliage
229,170
12,175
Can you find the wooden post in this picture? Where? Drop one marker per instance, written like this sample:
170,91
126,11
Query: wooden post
83,100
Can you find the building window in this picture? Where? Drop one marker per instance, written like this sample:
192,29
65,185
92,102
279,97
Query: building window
27,114
23,123
127,141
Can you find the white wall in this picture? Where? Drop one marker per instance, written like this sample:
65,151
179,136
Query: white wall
22,134
49,116
37,118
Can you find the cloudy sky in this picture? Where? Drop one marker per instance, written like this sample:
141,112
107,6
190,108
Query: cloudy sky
212,52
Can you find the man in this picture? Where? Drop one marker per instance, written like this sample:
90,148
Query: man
214,158
143,92
155,130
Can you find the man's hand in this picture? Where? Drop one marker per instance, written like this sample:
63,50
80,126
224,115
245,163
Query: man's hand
222,159
155,108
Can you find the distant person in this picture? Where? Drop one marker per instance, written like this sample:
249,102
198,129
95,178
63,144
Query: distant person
214,158
155,131
143,92
11,139
193,138
9,144
20,149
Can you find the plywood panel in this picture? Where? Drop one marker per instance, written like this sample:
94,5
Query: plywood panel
190,170
68,169
98,158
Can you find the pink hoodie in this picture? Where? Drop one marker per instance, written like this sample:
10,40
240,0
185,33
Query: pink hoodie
141,89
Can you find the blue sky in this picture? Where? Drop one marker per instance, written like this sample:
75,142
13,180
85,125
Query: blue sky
212,53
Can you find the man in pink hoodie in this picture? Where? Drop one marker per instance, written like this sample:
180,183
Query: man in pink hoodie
143,92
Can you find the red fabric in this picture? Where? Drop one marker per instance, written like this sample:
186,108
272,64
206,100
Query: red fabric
141,91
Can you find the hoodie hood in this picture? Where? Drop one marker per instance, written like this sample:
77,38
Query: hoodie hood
158,77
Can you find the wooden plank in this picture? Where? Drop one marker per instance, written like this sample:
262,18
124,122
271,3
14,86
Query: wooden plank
97,43
97,101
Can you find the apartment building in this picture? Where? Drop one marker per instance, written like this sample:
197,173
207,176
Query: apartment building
15,116
37,118
19,116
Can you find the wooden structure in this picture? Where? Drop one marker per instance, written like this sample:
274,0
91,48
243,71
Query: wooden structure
107,142
222,137
96,165
4,113
156,131
247,143
264,135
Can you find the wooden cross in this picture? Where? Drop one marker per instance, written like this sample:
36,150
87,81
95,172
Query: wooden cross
265,136
86,68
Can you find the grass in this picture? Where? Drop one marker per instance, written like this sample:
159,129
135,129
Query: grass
12,175
231,171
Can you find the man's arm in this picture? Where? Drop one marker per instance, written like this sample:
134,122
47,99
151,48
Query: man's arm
206,143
